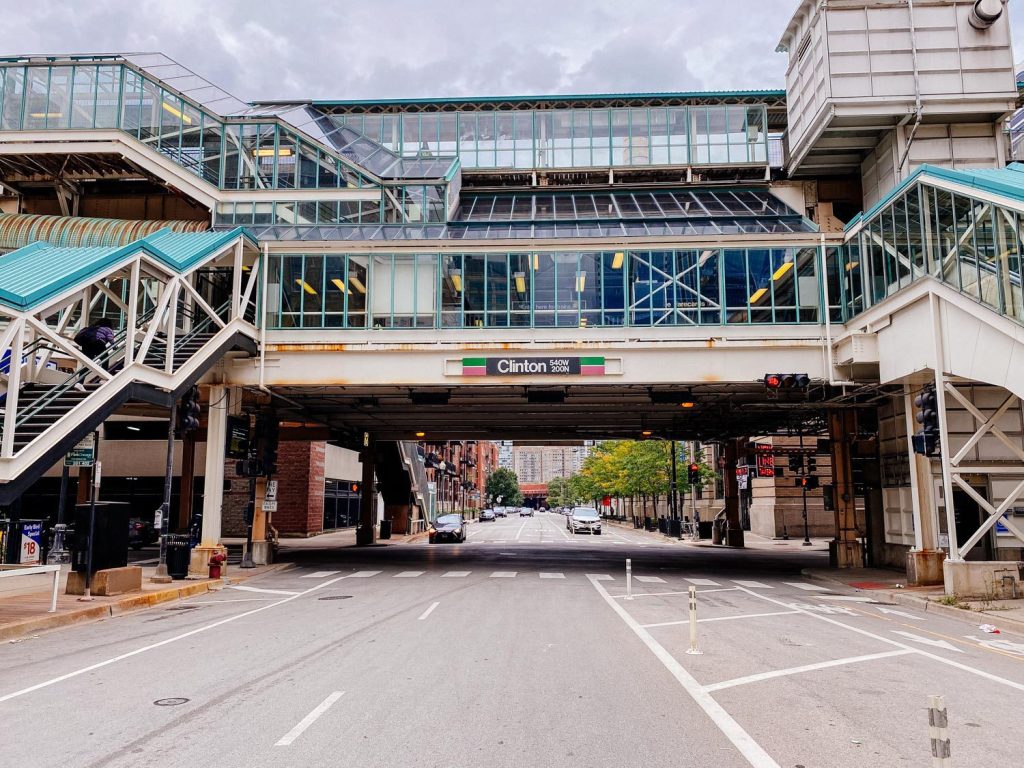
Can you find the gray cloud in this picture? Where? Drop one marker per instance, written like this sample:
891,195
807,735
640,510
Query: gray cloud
423,48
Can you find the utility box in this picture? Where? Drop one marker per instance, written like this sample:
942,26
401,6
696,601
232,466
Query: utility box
110,536
858,71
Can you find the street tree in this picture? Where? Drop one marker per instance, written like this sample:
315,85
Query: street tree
503,488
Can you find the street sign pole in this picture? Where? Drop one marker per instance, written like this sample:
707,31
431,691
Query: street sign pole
93,489
806,472
161,576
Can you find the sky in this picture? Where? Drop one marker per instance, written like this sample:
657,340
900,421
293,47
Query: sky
375,49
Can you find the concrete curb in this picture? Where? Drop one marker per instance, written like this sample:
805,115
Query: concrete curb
126,604
912,600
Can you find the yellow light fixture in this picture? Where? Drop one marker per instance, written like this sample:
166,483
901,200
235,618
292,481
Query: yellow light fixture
456,275
852,266
647,433
421,434
520,282
306,286
270,152
357,284
176,112
618,259
687,404
536,261
337,282
757,295
45,115
782,270
581,281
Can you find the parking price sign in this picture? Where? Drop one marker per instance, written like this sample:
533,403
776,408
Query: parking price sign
82,455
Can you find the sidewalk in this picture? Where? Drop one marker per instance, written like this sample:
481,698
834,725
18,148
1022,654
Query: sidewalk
890,585
750,540
24,608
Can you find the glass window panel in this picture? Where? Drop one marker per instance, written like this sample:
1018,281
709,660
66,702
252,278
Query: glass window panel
150,113
452,291
212,148
498,291
808,285
131,103
108,81
915,242
784,284
475,289
620,137
37,104
944,266
357,283
759,285
336,290
292,292
989,284
734,267
876,266
12,98
965,260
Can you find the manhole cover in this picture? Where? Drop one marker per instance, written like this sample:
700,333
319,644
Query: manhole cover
336,597
170,702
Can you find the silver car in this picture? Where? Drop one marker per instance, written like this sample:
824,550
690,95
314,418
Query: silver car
583,519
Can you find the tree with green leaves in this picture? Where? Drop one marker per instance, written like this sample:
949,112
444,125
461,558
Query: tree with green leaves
503,488
559,493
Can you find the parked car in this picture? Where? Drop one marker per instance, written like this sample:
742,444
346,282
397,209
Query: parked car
448,528
500,512
526,511
487,515
141,533
583,519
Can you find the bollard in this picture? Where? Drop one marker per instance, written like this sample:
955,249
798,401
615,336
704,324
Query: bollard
937,730
693,623
629,579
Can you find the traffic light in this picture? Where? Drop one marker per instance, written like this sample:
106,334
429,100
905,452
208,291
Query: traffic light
188,411
353,487
796,463
812,465
693,473
248,468
267,437
807,482
927,440
776,381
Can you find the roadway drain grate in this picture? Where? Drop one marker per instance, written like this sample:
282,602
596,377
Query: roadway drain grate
335,597
173,702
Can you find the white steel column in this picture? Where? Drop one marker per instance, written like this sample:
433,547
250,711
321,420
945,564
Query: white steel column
13,383
213,482
940,399
913,464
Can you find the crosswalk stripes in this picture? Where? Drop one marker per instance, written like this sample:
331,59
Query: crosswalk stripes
544,575
318,575
753,584
503,575
650,579
408,574
363,574
806,587
455,575
600,577
703,582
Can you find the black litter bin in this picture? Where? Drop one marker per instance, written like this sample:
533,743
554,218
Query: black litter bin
704,529
179,553
675,528
385,529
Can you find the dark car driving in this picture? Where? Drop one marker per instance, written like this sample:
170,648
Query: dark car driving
448,528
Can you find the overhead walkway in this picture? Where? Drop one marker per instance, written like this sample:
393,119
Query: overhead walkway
177,303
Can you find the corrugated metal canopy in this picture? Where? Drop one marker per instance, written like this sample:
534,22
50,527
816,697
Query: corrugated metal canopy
20,229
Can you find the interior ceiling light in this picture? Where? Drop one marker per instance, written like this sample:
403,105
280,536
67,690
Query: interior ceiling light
688,403
339,284
176,112
421,434
618,259
306,286
270,152
44,115
647,433
357,284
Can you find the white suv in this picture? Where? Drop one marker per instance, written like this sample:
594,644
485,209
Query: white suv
583,519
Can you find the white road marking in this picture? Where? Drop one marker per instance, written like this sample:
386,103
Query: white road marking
847,598
428,611
883,609
752,584
408,574
806,587
703,582
890,641
600,577
503,575
266,591
552,575
161,643
363,574
650,579
667,594
721,618
927,641
318,575
1000,644
309,719
233,600
520,531
455,575
750,749
806,668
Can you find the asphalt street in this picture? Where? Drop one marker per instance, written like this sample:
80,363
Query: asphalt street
520,647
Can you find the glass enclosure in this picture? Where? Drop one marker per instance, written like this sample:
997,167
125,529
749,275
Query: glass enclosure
971,244
575,138
578,289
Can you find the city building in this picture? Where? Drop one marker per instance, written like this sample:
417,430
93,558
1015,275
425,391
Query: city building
538,464
375,274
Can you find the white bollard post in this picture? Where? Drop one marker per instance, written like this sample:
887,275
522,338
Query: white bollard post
629,579
939,733
693,623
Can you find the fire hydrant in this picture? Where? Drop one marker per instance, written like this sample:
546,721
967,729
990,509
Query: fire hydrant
216,561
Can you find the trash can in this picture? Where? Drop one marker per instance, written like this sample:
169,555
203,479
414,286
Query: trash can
385,529
179,553
675,528
704,529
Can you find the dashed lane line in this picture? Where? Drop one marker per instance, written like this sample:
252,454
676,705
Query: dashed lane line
429,611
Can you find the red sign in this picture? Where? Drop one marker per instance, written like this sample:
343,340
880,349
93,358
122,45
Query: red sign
765,460
606,501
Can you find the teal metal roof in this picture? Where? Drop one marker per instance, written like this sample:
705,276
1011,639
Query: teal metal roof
1008,181
740,94
40,271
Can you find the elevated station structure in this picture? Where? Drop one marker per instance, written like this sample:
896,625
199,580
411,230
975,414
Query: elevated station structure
574,267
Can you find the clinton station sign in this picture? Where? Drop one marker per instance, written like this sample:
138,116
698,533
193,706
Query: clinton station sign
533,366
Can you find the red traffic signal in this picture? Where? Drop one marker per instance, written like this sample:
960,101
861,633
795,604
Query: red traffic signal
693,474
786,380
354,487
